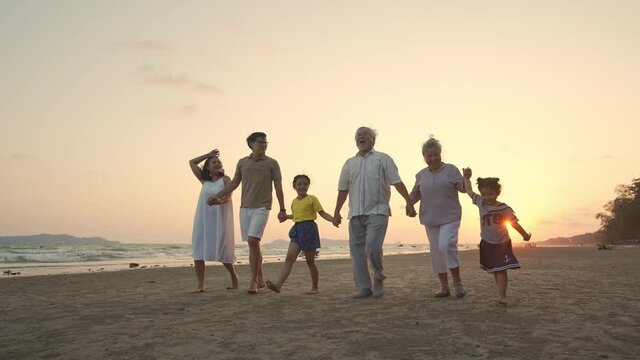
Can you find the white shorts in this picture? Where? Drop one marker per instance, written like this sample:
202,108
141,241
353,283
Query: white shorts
252,222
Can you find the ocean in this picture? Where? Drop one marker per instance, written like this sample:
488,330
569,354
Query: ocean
37,259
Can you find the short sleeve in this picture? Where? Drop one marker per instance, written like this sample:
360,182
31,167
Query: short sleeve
275,171
415,192
512,216
477,200
316,204
344,181
390,170
238,173
456,178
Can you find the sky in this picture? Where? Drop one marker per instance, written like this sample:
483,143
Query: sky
102,104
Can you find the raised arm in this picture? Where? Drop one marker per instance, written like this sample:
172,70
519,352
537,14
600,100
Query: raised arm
402,190
193,163
468,188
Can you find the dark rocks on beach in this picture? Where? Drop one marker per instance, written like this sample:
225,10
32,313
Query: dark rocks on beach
133,265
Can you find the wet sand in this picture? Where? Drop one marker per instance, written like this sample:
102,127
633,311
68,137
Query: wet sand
565,303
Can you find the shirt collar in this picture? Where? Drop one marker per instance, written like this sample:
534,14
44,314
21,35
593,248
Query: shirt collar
371,152
259,157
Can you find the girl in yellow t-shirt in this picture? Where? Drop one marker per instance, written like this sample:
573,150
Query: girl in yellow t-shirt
304,233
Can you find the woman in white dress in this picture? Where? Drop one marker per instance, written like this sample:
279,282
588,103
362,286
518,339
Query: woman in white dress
212,238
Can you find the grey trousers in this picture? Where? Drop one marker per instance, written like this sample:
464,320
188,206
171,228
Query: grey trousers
366,236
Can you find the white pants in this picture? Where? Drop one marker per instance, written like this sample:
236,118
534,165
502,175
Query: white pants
443,246
366,237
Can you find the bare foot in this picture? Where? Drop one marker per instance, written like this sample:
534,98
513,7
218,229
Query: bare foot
271,286
252,290
198,290
502,302
234,283
312,292
261,284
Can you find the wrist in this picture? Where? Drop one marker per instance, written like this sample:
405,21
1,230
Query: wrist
283,210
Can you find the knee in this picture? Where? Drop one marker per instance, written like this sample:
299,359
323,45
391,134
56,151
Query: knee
311,262
373,251
253,242
290,259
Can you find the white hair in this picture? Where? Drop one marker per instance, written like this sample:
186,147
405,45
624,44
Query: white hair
432,143
373,132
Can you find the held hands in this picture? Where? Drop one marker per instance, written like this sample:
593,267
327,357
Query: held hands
337,219
212,201
467,173
527,237
282,216
214,153
410,210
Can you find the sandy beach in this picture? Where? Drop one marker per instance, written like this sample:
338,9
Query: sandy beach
566,303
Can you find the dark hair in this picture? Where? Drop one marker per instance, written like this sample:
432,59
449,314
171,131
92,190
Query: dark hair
206,175
253,137
301,176
491,183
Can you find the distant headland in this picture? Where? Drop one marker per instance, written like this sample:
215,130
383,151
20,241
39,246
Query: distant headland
45,239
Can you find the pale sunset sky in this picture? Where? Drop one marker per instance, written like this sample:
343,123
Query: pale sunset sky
103,103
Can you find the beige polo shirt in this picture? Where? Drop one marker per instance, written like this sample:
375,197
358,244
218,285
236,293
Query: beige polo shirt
257,177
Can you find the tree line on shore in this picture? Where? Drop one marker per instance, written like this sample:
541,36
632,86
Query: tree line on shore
620,220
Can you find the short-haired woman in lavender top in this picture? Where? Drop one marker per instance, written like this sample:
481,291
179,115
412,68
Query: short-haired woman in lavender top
437,188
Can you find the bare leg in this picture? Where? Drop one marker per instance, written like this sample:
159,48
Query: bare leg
292,256
455,274
501,280
234,275
255,257
310,256
199,266
260,278
444,282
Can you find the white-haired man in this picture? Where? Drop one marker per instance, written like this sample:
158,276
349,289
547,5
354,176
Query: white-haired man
366,180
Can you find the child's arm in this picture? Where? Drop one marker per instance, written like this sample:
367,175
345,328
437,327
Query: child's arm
525,235
289,217
468,188
325,216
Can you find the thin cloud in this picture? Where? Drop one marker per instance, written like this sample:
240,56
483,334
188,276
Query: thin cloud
167,80
187,110
22,156
181,81
145,46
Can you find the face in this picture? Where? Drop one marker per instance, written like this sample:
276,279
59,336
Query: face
432,157
365,139
214,165
301,186
489,196
259,147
